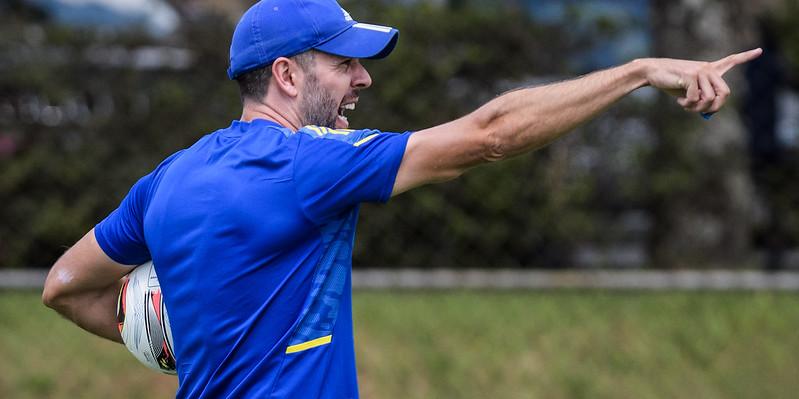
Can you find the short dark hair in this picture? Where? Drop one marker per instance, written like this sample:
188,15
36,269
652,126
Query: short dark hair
253,84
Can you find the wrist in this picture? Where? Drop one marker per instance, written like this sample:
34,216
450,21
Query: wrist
639,71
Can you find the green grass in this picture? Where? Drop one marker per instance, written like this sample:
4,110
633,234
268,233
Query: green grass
476,345
44,356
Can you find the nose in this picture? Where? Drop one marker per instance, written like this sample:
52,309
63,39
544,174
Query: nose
360,76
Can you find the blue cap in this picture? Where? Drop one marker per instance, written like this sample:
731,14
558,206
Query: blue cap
283,28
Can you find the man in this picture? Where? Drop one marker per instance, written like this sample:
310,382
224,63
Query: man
251,228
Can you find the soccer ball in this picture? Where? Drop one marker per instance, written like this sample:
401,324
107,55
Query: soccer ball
143,321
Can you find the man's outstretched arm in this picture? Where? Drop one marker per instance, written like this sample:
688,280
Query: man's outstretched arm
83,286
526,119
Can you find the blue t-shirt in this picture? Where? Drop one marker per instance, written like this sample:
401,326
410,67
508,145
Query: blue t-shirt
251,232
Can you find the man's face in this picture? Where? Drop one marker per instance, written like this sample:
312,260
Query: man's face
331,87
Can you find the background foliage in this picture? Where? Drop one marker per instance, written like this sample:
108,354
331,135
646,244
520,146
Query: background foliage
83,115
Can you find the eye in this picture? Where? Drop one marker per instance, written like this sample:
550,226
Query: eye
346,63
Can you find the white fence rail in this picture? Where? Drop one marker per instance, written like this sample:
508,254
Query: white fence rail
22,279
610,279
715,280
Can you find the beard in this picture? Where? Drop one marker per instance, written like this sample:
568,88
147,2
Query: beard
317,106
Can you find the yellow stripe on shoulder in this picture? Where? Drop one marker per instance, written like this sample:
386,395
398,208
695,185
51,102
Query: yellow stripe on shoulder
316,129
321,130
365,139
309,344
338,131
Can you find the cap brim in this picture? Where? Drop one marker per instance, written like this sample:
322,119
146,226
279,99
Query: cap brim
362,41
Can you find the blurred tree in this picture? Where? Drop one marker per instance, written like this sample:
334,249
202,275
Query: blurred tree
85,113
82,116
772,123
531,211
701,191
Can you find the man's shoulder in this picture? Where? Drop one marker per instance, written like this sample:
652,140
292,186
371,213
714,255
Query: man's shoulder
349,136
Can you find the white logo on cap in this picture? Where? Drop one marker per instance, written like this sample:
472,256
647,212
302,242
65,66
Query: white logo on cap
379,28
347,16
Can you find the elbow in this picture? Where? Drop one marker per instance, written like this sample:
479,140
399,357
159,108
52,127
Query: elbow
493,138
54,296
495,146
58,301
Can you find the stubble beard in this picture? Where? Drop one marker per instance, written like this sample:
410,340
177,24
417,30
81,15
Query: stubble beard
317,106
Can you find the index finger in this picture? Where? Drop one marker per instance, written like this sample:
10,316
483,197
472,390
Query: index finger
725,64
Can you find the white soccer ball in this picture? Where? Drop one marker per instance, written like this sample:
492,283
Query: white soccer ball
143,320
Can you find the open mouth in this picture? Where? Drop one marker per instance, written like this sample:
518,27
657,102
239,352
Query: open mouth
341,121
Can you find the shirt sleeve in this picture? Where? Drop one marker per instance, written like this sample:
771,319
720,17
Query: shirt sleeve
121,234
332,176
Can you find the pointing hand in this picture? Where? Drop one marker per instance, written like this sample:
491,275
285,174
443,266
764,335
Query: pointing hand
698,86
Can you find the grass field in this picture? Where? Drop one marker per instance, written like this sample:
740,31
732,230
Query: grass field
476,345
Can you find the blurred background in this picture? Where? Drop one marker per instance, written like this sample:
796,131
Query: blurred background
95,93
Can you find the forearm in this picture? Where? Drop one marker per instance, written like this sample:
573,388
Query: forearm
93,311
83,286
526,119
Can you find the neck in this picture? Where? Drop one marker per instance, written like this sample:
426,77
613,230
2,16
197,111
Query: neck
258,110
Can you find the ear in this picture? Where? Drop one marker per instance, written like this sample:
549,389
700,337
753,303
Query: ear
287,76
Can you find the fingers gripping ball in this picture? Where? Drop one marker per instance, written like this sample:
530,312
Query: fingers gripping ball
143,320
